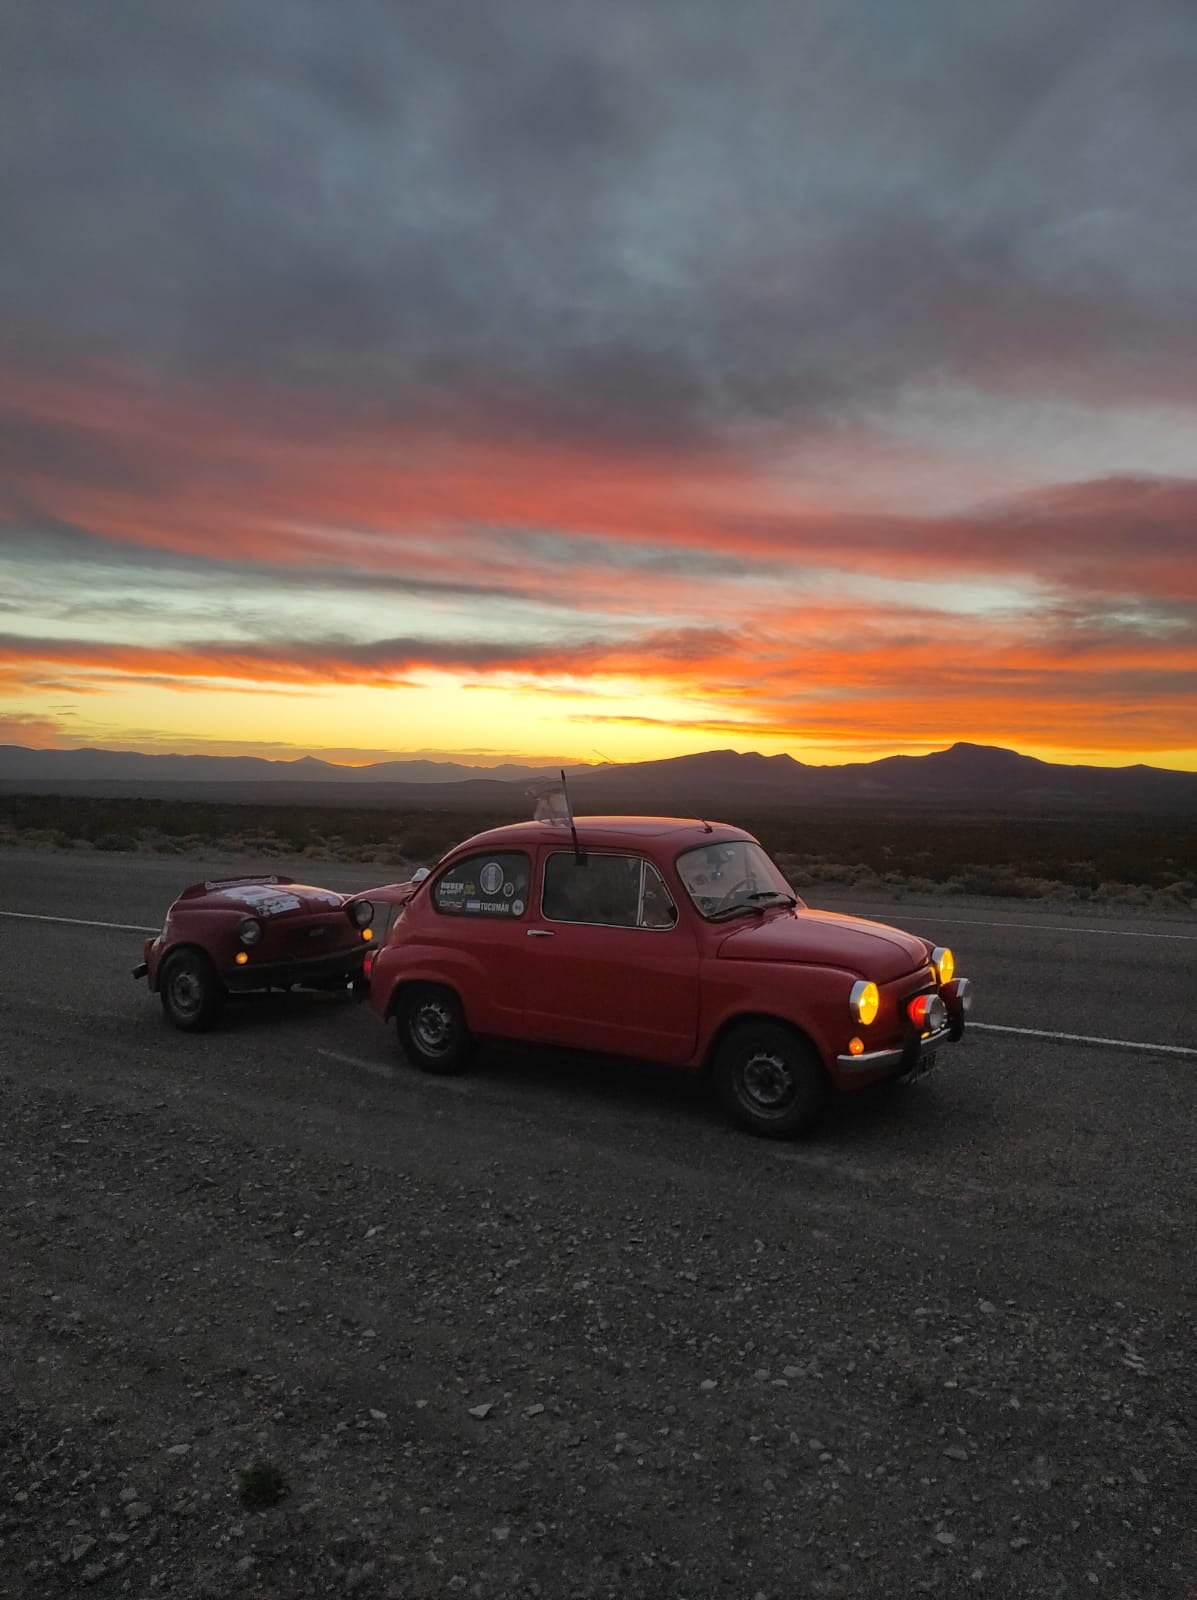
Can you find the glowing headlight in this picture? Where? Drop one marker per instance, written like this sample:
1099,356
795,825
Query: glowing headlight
362,913
250,931
928,1013
944,963
864,1002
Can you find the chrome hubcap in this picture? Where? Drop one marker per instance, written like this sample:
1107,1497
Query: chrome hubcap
433,1027
767,1081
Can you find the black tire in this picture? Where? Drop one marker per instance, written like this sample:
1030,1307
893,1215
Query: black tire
769,1079
432,1030
192,995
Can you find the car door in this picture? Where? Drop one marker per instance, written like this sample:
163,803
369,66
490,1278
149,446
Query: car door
610,964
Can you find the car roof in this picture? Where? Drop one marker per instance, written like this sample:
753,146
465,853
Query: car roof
597,833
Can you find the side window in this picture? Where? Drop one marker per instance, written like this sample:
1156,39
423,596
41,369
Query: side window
493,885
657,909
613,891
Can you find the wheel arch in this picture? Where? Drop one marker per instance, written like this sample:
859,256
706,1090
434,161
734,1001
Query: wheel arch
180,947
748,1018
405,985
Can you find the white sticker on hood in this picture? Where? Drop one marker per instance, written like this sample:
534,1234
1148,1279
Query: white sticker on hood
268,902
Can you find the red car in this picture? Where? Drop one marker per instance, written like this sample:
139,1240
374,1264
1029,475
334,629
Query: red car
237,934
664,939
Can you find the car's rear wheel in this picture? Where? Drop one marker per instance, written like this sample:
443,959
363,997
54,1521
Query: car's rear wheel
191,993
432,1029
769,1079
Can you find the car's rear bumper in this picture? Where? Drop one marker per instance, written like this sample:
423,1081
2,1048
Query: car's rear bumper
310,971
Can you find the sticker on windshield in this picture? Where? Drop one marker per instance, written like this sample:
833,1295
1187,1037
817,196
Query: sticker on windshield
517,908
490,879
508,889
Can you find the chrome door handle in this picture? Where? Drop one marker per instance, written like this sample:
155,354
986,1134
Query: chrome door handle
539,933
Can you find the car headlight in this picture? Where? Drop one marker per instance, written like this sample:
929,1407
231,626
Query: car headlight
362,913
944,963
864,1002
928,1013
250,931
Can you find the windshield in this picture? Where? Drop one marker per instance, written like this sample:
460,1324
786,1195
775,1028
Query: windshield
734,875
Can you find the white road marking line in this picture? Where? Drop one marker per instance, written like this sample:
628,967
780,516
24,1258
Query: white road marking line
378,1068
1039,927
81,922
1084,1038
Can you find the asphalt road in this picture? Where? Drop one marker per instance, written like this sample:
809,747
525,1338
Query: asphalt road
1055,969
981,1286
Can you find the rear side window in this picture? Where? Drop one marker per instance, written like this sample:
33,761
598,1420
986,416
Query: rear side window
614,891
492,885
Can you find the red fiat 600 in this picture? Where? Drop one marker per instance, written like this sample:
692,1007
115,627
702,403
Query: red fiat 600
663,939
238,934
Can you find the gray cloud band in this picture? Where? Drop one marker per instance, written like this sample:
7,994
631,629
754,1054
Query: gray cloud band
639,223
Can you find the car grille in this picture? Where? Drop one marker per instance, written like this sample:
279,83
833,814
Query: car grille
324,936
922,983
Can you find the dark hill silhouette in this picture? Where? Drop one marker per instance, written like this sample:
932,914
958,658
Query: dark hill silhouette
712,781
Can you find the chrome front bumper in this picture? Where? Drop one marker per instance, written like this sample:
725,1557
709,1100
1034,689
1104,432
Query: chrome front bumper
900,1057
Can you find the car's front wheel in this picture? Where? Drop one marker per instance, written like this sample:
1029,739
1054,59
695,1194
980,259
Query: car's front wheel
432,1029
769,1079
192,995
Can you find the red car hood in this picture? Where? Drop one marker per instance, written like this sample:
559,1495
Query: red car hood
826,939
261,898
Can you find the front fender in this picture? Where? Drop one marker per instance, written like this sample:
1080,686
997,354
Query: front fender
152,955
812,999
454,969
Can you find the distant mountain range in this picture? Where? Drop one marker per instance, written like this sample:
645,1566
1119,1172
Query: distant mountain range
712,782
92,765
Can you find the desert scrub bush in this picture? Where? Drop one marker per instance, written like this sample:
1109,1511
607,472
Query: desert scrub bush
1122,894
41,837
1174,896
116,841
426,843
916,884
867,882
1003,882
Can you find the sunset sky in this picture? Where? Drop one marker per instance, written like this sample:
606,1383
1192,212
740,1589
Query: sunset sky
550,380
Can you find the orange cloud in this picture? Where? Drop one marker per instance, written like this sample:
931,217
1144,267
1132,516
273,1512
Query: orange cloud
262,484
836,674
39,733
266,478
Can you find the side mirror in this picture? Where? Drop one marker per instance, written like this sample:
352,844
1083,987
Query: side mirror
420,874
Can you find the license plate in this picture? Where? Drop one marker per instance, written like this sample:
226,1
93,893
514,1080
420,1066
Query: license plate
922,1066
